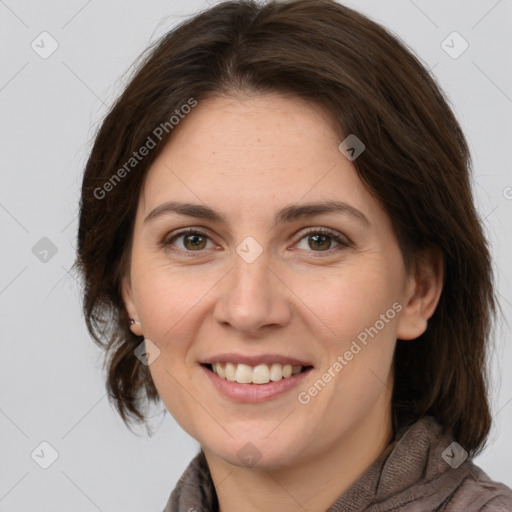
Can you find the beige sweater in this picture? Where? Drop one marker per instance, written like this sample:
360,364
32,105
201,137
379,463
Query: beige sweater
410,475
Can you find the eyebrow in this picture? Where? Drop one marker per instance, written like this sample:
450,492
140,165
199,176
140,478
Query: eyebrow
286,214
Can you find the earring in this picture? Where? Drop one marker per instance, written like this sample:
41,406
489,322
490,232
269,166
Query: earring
133,321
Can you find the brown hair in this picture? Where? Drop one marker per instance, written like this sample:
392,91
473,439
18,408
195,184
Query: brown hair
416,164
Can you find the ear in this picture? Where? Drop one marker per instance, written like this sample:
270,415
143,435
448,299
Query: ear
129,304
424,286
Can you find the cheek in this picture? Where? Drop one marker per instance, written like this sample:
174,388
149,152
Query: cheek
169,303
347,302
356,312
356,370
172,387
165,296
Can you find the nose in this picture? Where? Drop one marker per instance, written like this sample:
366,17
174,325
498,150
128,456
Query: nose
253,297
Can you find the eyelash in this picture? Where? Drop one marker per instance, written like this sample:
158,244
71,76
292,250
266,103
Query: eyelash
343,243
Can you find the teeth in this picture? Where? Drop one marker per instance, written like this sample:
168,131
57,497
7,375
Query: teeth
229,370
243,374
219,370
276,372
260,374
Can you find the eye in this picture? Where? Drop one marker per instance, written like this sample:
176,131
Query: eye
322,238
318,239
192,240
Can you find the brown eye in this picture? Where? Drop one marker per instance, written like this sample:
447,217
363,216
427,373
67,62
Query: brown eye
191,241
320,240
194,241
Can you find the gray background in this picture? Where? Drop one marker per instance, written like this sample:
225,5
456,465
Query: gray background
51,380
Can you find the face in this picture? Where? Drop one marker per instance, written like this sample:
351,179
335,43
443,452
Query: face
258,277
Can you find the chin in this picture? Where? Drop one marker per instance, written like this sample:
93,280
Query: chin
257,453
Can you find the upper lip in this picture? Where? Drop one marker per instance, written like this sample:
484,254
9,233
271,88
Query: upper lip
255,360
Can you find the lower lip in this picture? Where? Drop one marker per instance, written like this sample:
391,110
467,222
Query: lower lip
254,393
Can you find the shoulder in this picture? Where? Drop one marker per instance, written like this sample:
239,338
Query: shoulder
478,493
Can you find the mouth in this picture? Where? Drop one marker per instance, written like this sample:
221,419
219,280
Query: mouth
259,374
257,382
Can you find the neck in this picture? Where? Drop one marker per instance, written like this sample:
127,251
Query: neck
312,484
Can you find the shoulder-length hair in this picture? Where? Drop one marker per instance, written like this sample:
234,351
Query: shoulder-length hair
416,164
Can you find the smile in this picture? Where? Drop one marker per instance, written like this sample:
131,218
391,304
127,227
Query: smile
254,379
259,374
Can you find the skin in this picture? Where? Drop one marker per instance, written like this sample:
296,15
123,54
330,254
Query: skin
247,157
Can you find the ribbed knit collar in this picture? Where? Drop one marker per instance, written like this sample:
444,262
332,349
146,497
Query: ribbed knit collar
410,470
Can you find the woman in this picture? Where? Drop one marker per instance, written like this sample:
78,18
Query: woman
278,240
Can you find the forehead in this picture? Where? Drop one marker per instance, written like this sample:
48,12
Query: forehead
252,154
